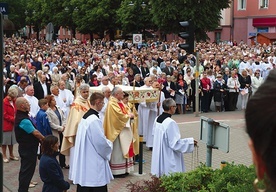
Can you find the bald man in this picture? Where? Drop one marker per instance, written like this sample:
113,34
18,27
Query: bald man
28,138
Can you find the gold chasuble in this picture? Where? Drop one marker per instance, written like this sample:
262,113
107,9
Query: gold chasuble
134,127
115,120
77,110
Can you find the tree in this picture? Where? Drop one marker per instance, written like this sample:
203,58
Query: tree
95,16
135,17
205,13
16,12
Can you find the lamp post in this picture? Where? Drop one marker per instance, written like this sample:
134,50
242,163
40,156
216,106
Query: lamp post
72,27
143,6
30,18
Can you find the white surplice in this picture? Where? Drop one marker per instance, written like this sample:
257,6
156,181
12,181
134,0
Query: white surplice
147,112
92,153
34,108
102,112
168,148
67,96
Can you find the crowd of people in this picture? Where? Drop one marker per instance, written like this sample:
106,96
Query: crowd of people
54,79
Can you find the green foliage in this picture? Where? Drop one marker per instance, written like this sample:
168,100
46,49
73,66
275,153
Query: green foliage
135,18
16,12
204,13
193,181
232,178
97,16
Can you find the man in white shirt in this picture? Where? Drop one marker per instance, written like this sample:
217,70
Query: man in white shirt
34,108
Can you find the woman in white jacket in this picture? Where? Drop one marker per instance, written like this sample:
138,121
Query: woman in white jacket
57,122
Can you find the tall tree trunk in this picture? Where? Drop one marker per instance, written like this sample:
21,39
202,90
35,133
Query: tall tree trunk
37,34
55,35
74,32
91,36
111,34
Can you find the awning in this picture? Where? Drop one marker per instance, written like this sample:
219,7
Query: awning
264,22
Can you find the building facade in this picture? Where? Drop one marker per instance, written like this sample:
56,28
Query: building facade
245,19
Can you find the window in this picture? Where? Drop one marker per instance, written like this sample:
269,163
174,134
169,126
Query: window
262,29
263,3
241,4
218,37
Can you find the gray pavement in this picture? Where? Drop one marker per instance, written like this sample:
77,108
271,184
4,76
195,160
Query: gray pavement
189,127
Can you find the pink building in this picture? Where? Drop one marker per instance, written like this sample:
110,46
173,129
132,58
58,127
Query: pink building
245,19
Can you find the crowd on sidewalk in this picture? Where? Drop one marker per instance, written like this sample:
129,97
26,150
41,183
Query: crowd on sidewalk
55,79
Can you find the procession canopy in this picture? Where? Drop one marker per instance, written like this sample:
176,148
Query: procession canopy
140,94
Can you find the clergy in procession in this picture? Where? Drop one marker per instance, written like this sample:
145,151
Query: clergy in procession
117,130
79,107
107,93
147,112
66,96
134,122
168,147
91,170
161,97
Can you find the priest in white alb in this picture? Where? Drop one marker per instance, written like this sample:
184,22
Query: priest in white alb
91,170
66,96
168,147
147,112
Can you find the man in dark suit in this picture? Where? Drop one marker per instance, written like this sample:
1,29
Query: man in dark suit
169,88
23,83
145,70
41,89
37,64
168,69
137,80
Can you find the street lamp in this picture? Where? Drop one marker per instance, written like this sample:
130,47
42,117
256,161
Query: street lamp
72,27
30,16
143,5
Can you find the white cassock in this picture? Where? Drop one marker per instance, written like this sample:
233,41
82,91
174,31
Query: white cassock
102,112
147,112
67,96
162,98
266,67
168,148
34,108
92,154
60,103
